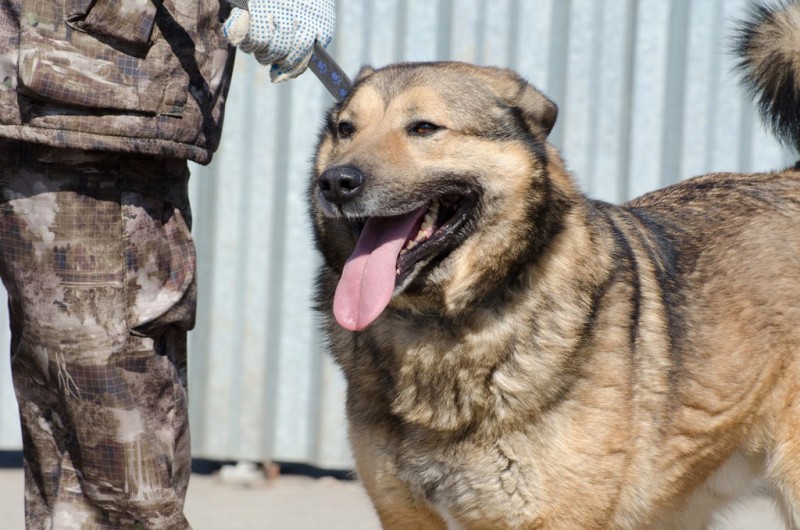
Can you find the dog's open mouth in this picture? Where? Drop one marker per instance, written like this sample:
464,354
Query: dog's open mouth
441,217
389,249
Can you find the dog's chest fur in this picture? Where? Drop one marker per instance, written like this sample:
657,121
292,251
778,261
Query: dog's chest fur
471,476
459,419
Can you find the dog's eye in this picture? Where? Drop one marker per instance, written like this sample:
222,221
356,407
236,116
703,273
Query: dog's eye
423,128
345,129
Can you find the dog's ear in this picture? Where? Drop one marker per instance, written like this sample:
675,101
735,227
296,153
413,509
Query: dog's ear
364,73
537,107
538,111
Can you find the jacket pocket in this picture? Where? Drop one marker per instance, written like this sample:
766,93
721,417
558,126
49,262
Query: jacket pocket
99,55
129,22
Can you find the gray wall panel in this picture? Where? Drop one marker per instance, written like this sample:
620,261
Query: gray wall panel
10,436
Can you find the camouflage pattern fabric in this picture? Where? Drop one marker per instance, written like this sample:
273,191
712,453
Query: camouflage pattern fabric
130,76
99,264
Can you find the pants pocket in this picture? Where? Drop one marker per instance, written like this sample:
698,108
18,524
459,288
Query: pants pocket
160,284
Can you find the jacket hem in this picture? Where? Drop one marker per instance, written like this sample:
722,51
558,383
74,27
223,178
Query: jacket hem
101,142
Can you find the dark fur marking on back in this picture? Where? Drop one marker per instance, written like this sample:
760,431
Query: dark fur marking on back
624,252
665,259
599,291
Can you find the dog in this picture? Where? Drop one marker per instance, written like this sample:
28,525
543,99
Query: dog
520,356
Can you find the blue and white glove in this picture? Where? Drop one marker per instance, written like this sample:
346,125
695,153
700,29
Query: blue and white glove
281,32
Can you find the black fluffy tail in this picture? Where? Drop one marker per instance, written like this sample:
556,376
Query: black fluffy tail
768,46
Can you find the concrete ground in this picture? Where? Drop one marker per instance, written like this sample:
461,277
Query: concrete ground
293,502
290,502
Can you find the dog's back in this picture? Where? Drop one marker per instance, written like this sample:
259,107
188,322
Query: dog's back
718,273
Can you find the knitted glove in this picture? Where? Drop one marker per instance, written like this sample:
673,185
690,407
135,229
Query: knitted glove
281,32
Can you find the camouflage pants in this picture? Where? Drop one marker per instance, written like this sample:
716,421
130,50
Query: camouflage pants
98,262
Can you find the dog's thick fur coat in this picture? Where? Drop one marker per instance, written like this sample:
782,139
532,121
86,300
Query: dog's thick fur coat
542,360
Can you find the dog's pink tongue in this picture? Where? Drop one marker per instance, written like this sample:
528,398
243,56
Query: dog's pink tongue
367,281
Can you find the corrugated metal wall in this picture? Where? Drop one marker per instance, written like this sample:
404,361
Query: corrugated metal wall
647,97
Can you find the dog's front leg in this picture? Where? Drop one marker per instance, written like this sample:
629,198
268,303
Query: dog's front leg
393,500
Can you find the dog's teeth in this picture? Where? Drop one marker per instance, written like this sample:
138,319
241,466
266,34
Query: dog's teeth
425,229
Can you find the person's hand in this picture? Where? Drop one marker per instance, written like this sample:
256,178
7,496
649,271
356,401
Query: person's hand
281,32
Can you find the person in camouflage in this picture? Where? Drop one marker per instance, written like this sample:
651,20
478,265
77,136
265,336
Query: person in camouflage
102,103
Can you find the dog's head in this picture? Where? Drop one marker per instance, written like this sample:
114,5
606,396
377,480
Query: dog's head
431,186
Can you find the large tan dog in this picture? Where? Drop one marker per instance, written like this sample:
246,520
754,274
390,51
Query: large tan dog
519,356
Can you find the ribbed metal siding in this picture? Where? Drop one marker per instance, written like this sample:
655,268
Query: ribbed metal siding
647,97
10,436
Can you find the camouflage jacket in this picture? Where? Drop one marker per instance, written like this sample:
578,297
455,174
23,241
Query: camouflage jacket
141,76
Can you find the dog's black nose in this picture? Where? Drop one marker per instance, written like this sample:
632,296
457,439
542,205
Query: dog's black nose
340,184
